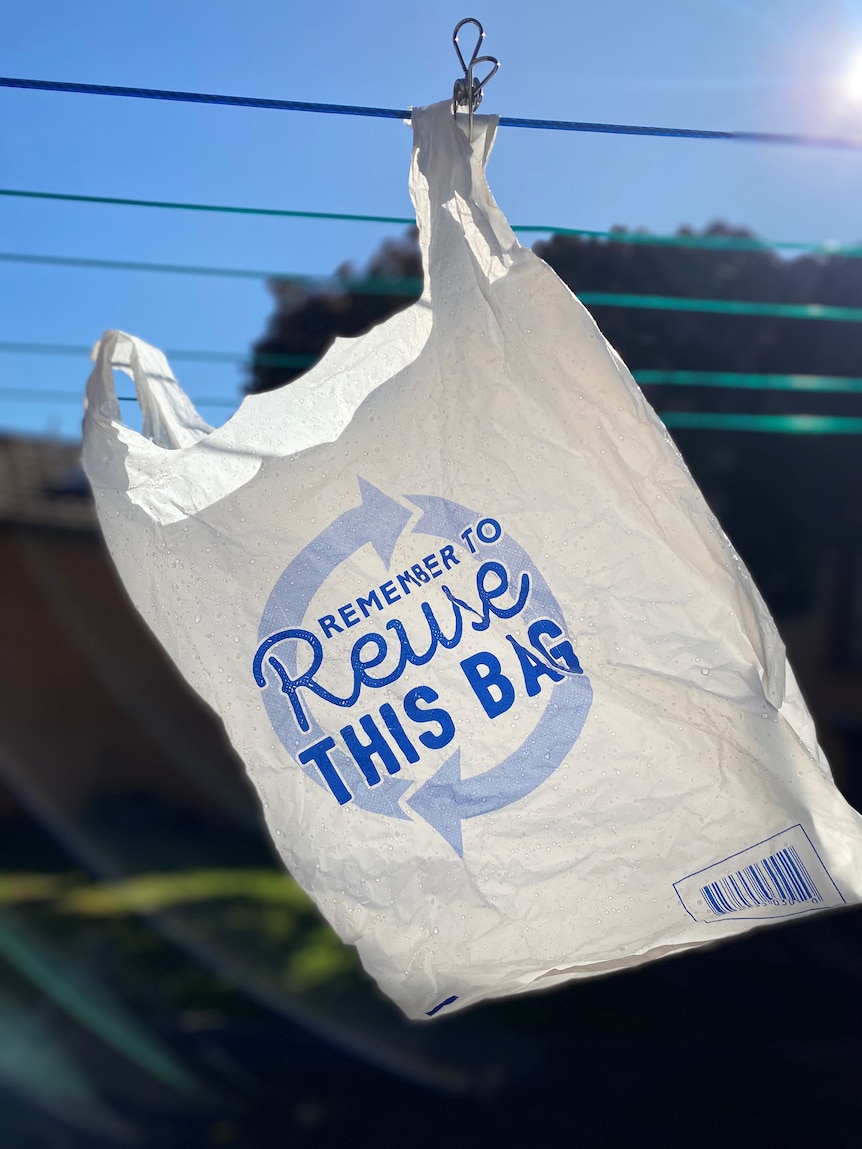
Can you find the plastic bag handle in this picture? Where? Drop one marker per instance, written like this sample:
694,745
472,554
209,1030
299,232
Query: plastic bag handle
170,419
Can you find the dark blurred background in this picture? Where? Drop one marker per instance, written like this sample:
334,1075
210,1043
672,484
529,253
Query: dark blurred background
163,982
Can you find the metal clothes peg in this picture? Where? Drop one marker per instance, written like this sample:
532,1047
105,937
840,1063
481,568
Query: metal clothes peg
468,90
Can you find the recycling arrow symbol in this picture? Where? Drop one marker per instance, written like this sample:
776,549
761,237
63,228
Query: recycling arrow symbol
378,520
447,798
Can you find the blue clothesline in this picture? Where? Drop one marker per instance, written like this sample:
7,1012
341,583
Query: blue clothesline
799,140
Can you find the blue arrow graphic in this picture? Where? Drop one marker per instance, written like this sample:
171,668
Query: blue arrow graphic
378,520
448,520
447,798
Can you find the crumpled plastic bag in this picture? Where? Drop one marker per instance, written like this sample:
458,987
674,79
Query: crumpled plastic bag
514,709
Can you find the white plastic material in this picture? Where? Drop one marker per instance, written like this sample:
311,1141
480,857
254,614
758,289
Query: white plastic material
513,707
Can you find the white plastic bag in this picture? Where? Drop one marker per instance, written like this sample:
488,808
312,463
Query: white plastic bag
514,709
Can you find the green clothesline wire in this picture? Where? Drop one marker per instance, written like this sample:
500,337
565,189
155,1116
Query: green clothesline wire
389,285
184,355
682,420
412,286
723,306
175,206
589,298
750,382
644,376
806,383
787,424
46,395
382,286
708,242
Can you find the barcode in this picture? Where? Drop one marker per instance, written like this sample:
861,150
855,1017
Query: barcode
780,879
777,877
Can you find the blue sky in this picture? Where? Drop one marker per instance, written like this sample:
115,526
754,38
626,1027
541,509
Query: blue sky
782,65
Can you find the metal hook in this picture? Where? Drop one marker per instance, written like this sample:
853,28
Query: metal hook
468,91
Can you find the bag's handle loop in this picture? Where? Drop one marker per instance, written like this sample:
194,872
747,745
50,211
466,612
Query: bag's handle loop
170,419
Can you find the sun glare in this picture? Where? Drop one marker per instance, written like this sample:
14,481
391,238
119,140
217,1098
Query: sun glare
852,81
